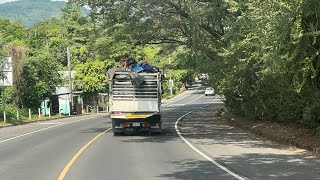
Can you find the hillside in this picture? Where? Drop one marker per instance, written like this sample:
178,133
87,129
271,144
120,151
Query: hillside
29,12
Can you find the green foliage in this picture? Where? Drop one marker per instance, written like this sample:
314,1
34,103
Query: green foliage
29,12
9,93
263,55
44,40
165,22
91,77
272,62
55,35
182,77
11,113
11,30
39,80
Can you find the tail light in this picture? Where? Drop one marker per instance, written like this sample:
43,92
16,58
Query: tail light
145,124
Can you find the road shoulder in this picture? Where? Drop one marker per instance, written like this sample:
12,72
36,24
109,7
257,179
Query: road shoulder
242,151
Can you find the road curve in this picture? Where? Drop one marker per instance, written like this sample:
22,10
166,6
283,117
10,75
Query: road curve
43,150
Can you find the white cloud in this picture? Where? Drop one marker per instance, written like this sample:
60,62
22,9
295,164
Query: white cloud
4,1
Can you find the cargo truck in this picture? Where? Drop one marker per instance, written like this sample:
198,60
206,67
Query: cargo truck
135,102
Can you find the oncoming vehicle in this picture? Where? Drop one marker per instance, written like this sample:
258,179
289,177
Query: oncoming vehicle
209,91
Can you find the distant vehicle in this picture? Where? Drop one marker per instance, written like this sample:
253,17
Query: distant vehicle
209,91
203,77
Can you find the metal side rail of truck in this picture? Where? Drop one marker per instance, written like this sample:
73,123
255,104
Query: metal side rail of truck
135,101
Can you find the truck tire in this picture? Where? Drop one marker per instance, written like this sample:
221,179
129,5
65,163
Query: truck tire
155,133
116,132
113,126
157,119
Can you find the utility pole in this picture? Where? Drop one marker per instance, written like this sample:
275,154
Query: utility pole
6,68
47,42
70,80
3,96
46,37
2,78
170,80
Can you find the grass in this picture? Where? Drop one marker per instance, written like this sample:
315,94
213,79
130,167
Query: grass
43,118
2,123
33,119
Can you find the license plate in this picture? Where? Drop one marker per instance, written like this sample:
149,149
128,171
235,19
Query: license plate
136,124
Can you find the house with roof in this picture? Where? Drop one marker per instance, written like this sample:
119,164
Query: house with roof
63,101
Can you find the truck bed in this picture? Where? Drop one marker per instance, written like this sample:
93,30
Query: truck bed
126,96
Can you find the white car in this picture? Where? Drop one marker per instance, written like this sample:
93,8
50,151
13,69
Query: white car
209,91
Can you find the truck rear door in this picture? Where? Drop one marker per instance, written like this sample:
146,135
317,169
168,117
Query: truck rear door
129,97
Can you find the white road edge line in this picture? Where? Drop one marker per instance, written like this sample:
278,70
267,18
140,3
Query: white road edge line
22,135
198,151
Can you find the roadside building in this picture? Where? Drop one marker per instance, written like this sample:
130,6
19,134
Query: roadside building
64,101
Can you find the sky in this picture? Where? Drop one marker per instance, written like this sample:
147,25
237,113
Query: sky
4,1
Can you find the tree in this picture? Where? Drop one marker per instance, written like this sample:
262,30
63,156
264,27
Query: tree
191,23
39,80
91,77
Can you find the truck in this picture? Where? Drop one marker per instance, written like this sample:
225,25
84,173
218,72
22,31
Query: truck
135,102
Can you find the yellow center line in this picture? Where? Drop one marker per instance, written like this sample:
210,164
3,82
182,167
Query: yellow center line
74,158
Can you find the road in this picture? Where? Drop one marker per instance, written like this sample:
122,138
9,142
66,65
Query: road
191,146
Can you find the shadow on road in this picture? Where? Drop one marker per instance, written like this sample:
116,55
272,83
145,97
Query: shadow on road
250,166
274,166
204,126
195,169
246,153
169,116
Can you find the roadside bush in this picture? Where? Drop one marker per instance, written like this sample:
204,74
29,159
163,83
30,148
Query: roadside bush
278,102
11,114
166,91
269,98
311,114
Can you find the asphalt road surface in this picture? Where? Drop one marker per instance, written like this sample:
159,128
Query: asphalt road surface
190,147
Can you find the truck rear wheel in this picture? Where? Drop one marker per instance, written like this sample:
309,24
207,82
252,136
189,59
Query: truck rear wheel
156,122
118,133
155,133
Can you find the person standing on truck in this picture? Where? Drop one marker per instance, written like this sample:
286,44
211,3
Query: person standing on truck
146,66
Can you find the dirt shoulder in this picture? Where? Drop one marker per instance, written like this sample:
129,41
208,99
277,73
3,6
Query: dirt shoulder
286,134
